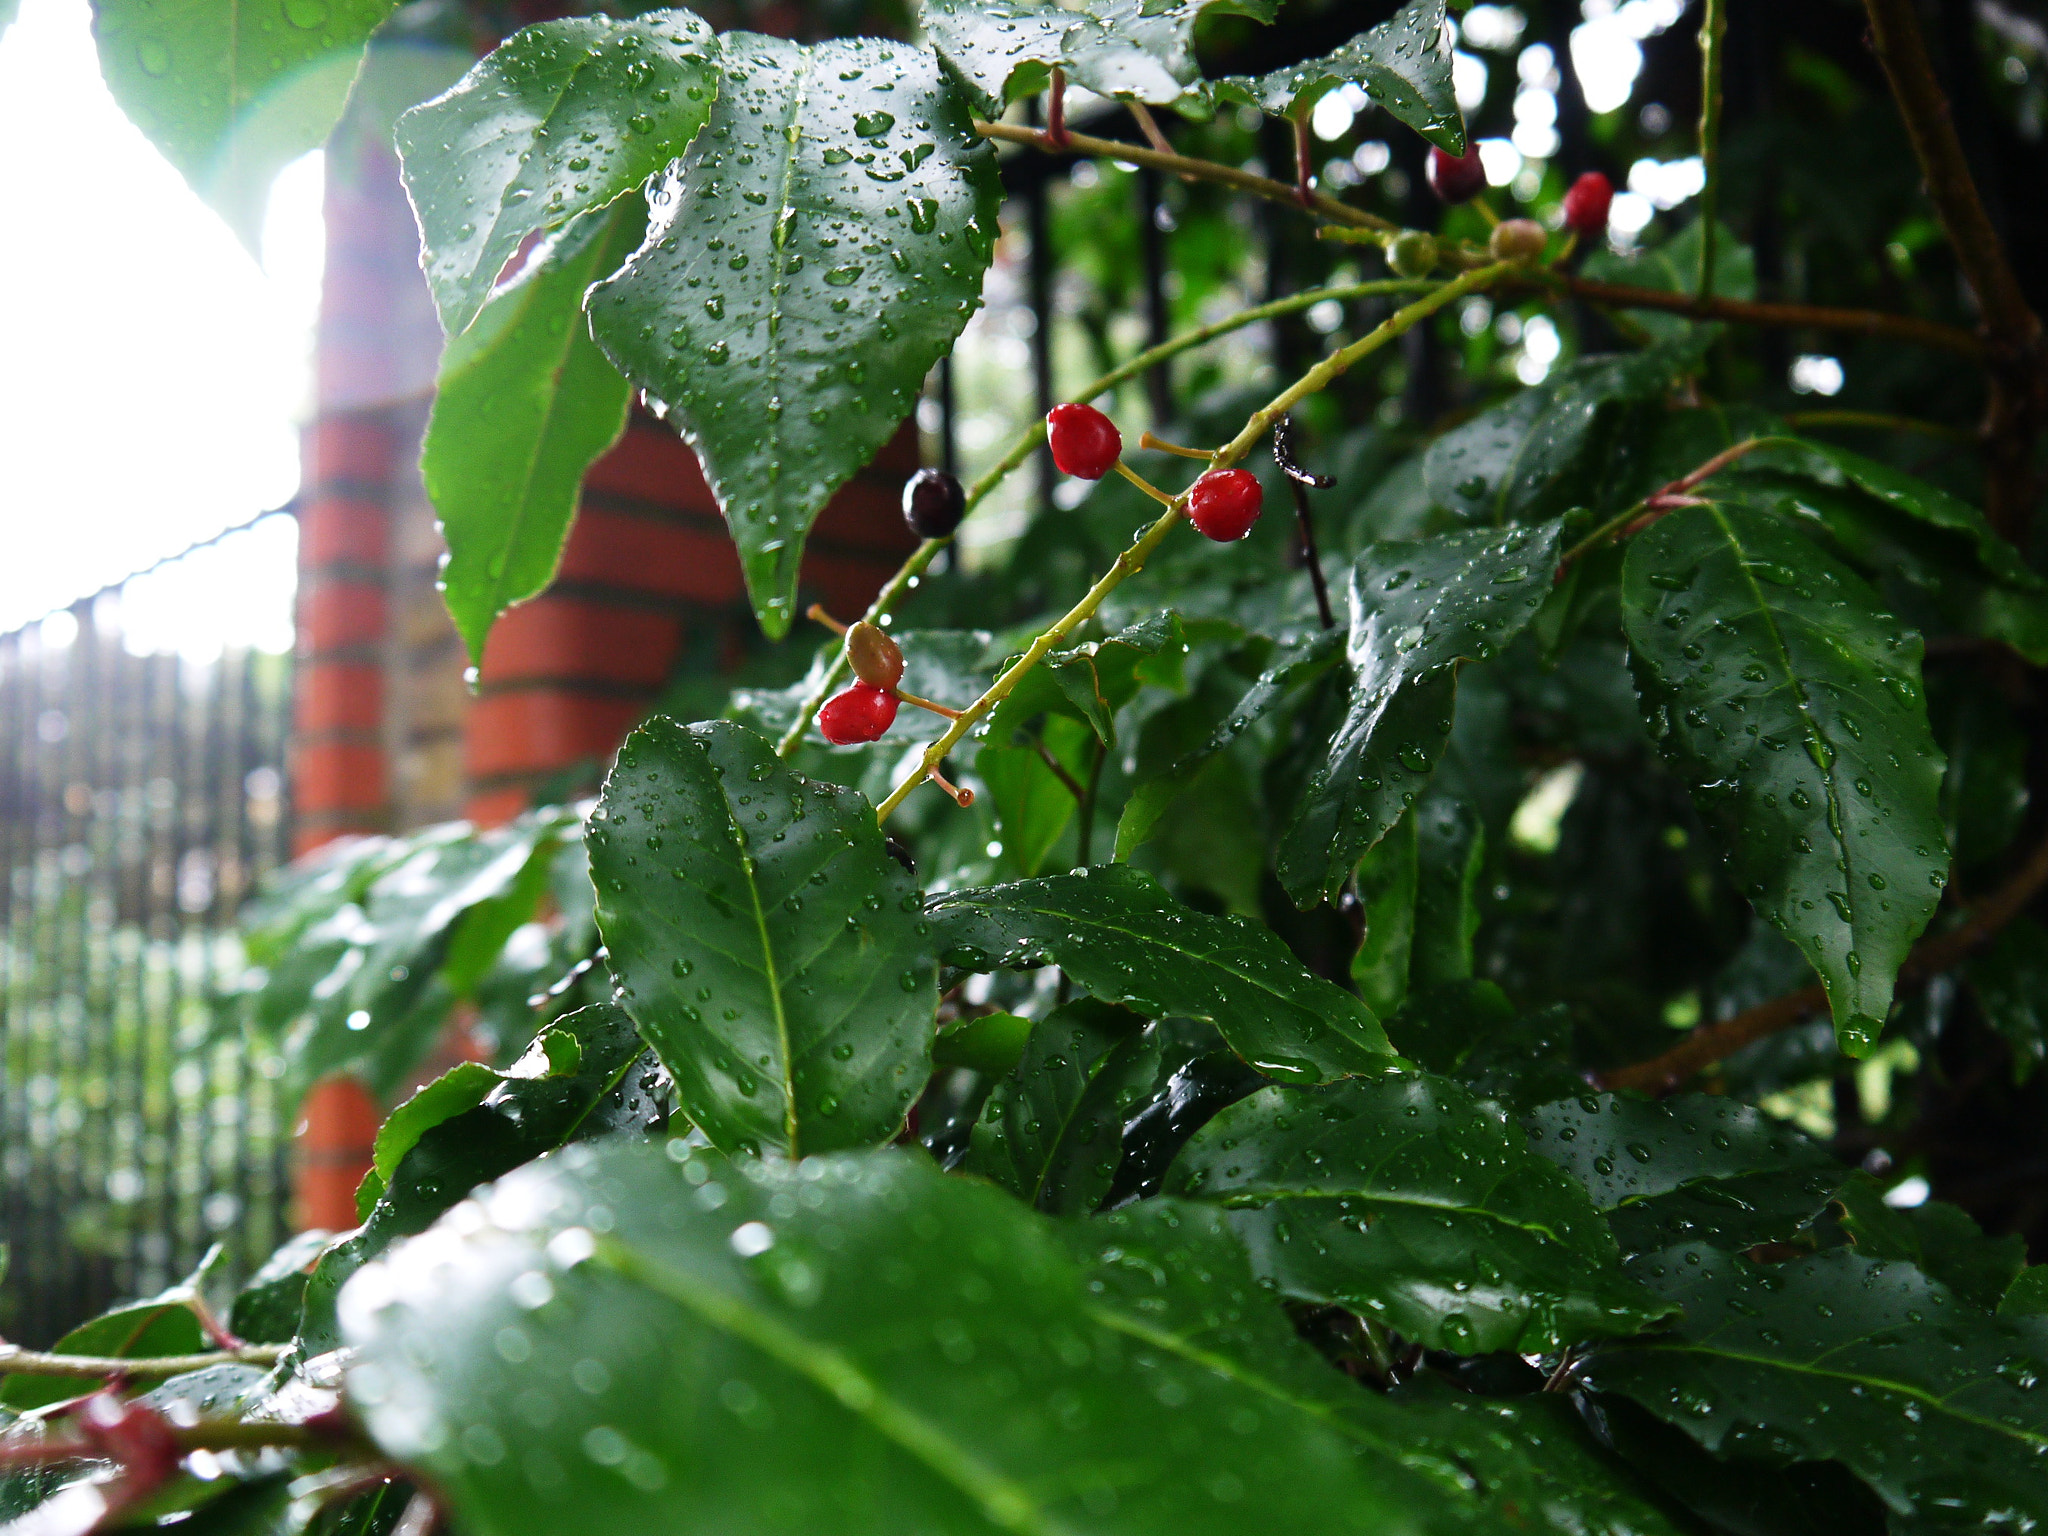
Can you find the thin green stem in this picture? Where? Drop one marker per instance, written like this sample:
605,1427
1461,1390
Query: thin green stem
1713,30
1663,499
1132,560
1879,421
32,1362
1022,449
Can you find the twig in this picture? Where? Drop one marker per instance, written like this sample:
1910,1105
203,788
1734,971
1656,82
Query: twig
1149,126
2016,357
1056,135
1713,29
1299,481
1020,450
1939,952
32,1362
1664,500
1304,168
1059,770
1186,165
1866,322
1133,559
1879,421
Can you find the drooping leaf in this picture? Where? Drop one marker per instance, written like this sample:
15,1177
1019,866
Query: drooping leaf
1417,610
524,404
1142,50
610,1083
1403,64
1469,1031
1052,1131
1450,852
562,118
266,1309
1412,1202
768,946
1033,803
1295,666
1092,682
858,1343
1938,1239
815,252
989,1043
2010,980
1117,933
1836,1357
1386,884
1791,705
1539,454
232,92
1687,1169
1172,1272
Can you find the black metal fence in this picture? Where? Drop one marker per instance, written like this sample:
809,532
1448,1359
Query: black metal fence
142,796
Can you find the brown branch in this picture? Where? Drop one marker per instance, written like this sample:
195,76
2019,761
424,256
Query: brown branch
1931,956
1864,322
2016,356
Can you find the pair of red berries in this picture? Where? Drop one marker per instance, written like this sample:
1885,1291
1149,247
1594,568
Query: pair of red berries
1223,504
868,708
1460,178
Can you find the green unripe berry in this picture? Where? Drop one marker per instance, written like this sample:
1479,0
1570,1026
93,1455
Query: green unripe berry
1412,254
1517,240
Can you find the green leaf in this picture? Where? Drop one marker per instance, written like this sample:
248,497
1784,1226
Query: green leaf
266,1309
555,1053
767,944
1841,1358
1092,682
1692,1168
1417,610
1051,1132
2010,980
1386,896
1541,452
232,92
1404,64
1172,1272
1674,267
1033,805
810,258
2027,1296
1450,852
166,1324
1938,1239
1468,1030
613,1087
858,1343
1296,665
1141,50
1117,933
1419,1206
561,118
989,1043
1791,705
524,404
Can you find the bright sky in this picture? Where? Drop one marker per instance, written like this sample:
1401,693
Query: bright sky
152,375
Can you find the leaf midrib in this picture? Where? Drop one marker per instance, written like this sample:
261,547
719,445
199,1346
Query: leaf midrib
1002,1500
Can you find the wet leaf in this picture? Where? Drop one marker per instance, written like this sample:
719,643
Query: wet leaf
989,1043
1841,1358
564,117
766,943
1117,933
1469,1031
524,404
1403,64
815,252
859,1342
1419,1206
1791,705
1686,1169
1938,1239
1142,50
231,92
2010,981
1052,1131
1417,610
266,1309
165,1324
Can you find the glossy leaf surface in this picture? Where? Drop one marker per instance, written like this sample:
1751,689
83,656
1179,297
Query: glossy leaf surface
1837,1357
860,1343
524,404
1417,610
810,258
768,946
1403,64
1938,1239
233,92
1092,682
1138,49
1790,703
1418,1205
564,117
1117,933
1052,1131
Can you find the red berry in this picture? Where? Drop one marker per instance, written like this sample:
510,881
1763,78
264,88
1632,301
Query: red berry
1225,503
1586,205
1085,443
860,714
1456,179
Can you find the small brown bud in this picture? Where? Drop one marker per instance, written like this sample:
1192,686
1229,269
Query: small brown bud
1517,240
876,658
